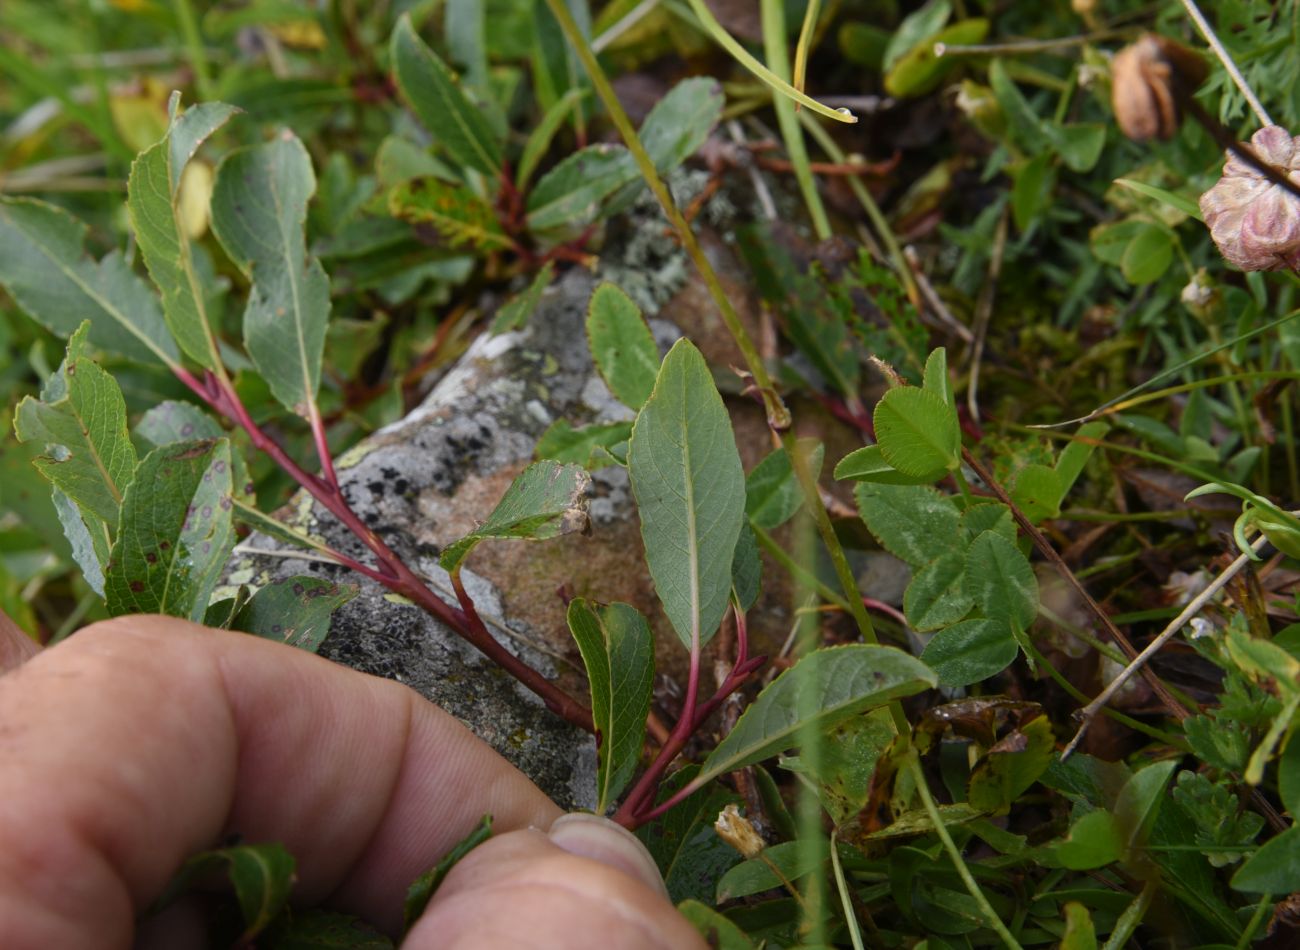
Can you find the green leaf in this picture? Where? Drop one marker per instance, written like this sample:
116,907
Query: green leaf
935,377
1138,803
914,523
1000,579
426,885
153,198
1186,205
868,465
539,140
582,446
1079,144
1094,841
621,345
546,500
746,569
1037,492
1288,776
1012,765
690,855
824,688
920,71
464,27
690,493
295,611
428,86
458,215
1080,934
681,121
45,269
988,516
88,536
262,875
1147,256
175,532
175,421
935,596
514,313
915,29
718,931
259,206
793,859
772,493
970,651
1070,463
571,195
1274,868
618,651
1031,193
917,432
89,455
846,761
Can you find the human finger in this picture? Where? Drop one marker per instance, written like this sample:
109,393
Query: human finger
578,887
144,739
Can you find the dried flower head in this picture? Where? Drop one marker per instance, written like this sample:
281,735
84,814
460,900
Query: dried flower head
1150,78
1256,222
737,830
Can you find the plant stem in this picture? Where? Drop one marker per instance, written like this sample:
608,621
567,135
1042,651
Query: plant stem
1225,58
198,54
393,573
773,13
923,789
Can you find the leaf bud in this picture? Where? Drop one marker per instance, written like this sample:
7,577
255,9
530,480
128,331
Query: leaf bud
1149,79
1255,222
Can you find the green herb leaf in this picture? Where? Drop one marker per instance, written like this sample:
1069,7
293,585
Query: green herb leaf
690,493
1274,868
868,465
914,523
746,569
779,863
457,215
1094,842
681,121
428,86
1037,492
514,313
772,493
89,455
295,611
153,198
970,651
1000,579
935,597
312,928
546,500
88,536
45,269
621,345
262,876
917,432
689,853
582,446
259,206
1011,766
618,651
423,888
175,532
718,931
822,689
920,71
571,195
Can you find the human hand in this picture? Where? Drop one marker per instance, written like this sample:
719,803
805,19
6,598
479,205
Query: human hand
142,740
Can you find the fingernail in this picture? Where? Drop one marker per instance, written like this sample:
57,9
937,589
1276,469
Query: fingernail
591,836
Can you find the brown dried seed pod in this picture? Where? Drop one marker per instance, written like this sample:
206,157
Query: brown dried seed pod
1149,80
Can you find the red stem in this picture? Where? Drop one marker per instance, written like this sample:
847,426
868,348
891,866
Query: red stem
392,572
630,812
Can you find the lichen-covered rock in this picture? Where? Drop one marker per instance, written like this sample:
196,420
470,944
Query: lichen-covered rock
427,480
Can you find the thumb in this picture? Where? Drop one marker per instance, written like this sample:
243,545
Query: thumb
588,883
